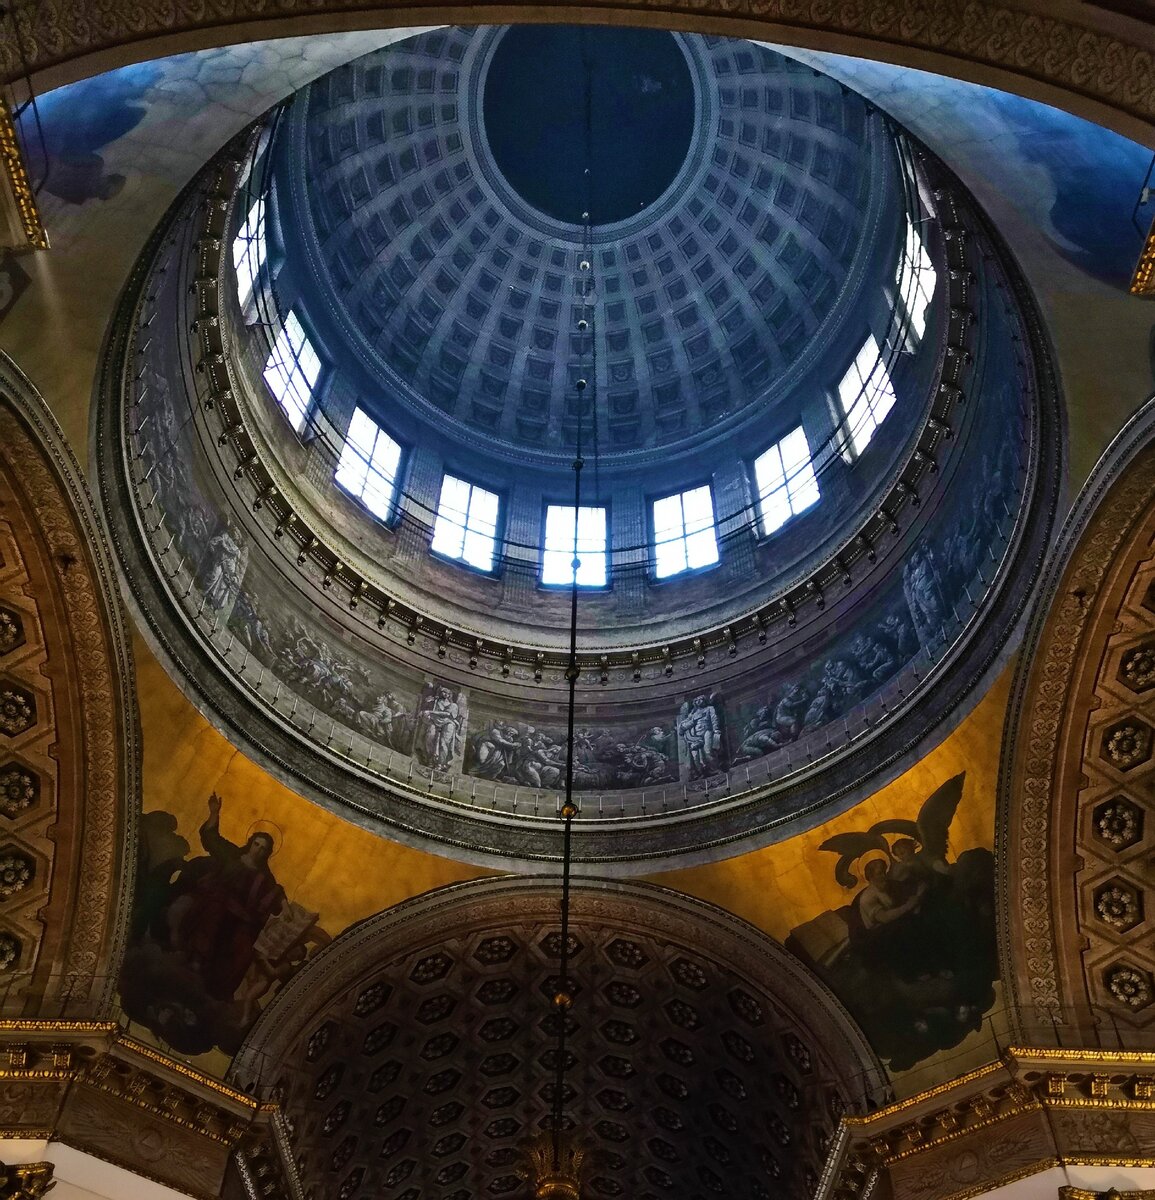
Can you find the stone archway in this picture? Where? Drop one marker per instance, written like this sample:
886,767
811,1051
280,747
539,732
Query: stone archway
69,787
415,1050
1076,818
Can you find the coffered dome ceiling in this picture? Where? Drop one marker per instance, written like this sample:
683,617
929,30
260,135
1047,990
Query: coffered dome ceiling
741,206
733,705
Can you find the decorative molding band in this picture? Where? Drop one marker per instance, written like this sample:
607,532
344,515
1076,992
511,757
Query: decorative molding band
1032,1110
1143,280
1076,1193
17,188
104,796
1094,71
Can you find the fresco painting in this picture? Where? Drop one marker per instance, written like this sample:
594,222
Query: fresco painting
81,120
213,934
912,954
924,988
234,894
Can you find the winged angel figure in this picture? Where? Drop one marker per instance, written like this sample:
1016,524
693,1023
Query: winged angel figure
912,955
923,841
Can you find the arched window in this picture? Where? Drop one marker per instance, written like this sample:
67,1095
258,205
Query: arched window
292,371
250,251
915,279
466,524
559,549
865,395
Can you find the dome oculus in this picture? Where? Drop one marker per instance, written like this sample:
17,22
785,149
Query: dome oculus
633,84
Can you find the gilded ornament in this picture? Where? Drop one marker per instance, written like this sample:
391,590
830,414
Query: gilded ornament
16,871
1137,670
18,181
11,630
1118,904
1129,985
17,710
9,951
1127,744
29,1181
1119,823
19,790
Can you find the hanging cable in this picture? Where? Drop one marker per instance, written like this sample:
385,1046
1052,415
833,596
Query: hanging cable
585,387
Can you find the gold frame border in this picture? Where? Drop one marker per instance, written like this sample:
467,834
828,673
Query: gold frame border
18,181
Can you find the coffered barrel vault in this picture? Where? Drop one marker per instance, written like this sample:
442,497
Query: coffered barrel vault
415,1053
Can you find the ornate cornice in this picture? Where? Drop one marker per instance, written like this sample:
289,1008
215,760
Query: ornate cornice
92,1087
1031,1110
1092,68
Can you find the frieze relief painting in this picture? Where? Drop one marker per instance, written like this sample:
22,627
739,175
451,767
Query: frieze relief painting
451,731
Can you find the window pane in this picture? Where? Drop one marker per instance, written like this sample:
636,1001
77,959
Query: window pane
785,478
684,534
291,387
558,551
466,523
866,395
249,251
368,465
698,508
477,550
483,511
668,517
916,279
701,549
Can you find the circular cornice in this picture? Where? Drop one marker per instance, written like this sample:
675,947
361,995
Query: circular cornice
705,116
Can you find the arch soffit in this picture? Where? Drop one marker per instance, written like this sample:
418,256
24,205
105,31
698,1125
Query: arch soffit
1100,69
496,903
69,737
1079,739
